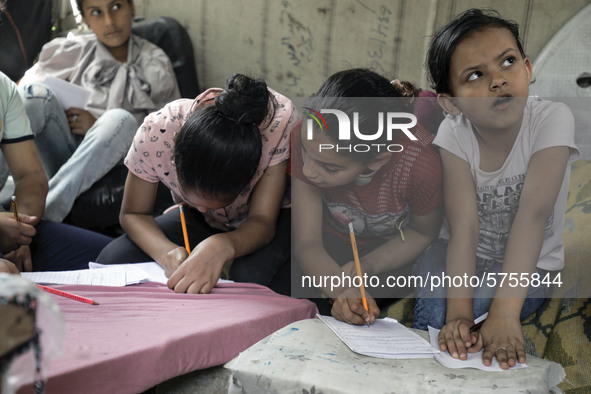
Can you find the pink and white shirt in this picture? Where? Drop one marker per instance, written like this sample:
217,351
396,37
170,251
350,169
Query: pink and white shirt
150,157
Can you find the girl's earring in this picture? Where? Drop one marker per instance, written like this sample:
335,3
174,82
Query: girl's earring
447,104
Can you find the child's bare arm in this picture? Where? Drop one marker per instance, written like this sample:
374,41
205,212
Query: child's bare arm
392,254
399,251
462,216
139,225
406,246
30,191
29,177
259,228
542,185
315,260
307,224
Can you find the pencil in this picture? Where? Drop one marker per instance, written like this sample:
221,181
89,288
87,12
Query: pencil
358,266
478,323
477,326
68,295
14,208
184,225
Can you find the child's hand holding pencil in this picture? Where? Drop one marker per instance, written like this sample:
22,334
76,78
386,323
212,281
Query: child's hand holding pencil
352,305
16,233
349,307
173,259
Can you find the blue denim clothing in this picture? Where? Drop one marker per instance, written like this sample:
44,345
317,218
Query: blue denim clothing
59,246
74,163
431,304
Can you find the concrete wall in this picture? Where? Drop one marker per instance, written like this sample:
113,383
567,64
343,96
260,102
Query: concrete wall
295,45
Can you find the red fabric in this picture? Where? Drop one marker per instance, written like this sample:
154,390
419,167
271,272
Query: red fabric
145,334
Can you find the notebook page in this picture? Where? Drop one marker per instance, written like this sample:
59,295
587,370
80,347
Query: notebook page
385,338
80,277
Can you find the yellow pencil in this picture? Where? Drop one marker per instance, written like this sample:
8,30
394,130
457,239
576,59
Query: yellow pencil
14,208
184,225
358,266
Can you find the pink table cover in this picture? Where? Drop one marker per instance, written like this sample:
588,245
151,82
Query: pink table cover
145,334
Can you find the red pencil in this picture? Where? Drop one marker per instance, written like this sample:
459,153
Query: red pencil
69,295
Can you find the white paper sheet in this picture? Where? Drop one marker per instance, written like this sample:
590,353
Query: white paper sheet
474,360
105,275
142,272
79,277
68,94
136,272
385,338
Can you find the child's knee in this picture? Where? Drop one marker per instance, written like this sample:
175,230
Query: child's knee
36,95
120,119
116,126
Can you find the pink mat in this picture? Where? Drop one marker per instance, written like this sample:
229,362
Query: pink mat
145,334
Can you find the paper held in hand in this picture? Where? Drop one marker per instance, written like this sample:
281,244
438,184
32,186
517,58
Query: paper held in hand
68,94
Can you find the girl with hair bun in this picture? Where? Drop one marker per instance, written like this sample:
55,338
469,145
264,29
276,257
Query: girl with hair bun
224,157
